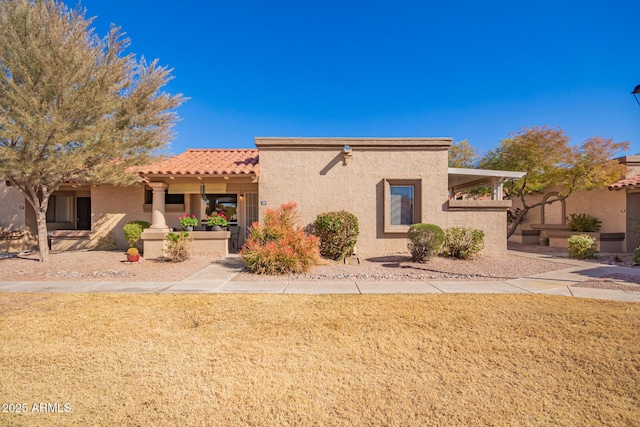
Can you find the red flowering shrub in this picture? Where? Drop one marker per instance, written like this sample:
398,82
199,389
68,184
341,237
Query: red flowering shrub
278,245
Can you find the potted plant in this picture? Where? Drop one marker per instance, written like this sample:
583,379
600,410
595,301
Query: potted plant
133,255
217,221
133,232
188,221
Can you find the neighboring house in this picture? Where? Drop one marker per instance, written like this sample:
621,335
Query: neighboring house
388,183
618,207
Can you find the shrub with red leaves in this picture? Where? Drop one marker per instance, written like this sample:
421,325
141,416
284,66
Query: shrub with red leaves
278,245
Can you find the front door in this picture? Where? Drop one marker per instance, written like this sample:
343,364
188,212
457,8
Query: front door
83,213
633,220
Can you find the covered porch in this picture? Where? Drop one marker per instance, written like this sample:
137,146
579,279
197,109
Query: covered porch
200,183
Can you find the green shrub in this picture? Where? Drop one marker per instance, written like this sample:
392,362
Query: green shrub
179,246
636,255
425,241
338,232
462,243
581,246
132,232
278,246
583,223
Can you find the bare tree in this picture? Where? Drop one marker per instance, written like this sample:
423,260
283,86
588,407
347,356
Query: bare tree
73,106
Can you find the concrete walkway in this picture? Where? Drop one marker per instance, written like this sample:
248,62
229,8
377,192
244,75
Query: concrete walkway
217,278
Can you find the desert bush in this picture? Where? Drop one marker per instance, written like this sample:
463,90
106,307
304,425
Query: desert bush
179,246
581,246
425,241
132,232
107,242
583,223
278,246
462,242
338,233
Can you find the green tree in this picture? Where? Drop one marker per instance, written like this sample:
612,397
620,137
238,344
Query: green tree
545,155
462,155
73,106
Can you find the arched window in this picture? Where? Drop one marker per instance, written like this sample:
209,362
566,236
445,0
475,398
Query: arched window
554,212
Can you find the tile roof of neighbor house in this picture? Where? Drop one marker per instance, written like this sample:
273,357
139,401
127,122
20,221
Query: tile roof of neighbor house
634,181
207,162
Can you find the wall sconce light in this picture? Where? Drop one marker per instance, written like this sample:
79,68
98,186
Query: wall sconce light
346,155
241,196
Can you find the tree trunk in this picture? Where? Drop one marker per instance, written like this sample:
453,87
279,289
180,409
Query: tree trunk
43,238
525,208
38,198
517,221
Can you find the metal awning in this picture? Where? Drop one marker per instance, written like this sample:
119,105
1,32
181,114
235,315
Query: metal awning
464,179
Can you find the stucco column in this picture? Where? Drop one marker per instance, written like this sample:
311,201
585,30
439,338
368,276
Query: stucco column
158,220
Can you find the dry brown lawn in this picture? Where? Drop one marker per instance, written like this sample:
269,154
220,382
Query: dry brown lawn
267,360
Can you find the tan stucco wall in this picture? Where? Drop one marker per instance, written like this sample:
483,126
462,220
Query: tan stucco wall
311,173
633,165
12,208
16,214
112,207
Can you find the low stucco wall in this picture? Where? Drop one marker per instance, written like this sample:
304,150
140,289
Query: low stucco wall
605,242
490,216
610,207
212,243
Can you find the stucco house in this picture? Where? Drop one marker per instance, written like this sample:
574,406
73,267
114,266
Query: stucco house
618,207
388,183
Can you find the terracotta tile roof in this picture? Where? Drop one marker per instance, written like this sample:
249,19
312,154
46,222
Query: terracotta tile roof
634,181
207,162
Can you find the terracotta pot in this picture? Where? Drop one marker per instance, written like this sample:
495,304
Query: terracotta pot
133,258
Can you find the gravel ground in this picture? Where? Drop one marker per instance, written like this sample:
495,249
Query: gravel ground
98,266
111,266
400,267
613,284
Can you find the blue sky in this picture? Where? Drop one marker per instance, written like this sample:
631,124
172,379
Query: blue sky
463,69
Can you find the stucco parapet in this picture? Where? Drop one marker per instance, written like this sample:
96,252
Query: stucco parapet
629,160
380,143
470,204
